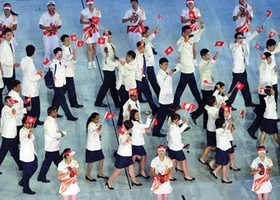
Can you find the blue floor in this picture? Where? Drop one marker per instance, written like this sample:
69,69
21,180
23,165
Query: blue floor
217,16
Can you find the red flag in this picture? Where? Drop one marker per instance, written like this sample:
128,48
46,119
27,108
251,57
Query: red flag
268,13
80,43
257,46
27,100
109,115
121,130
100,40
46,61
207,82
154,122
239,85
30,119
242,113
11,101
159,17
133,92
191,14
219,44
262,89
227,108
169,50
191,107
95,20
272,33
188,107
184,105
73,37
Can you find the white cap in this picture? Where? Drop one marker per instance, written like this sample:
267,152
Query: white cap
50,3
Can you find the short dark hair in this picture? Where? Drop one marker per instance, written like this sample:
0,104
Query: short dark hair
51,109
7,30
128,124
29,49
267,54
133,0
57,49
109,33
172,109
15,83
237,34
270,42
186,27
163,60
219,122
131,53
175,116
221,84
146,29
210,100
139,43
267,90
62,38
203,52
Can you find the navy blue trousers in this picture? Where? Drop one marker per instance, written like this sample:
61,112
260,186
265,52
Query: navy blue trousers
29,168
49,158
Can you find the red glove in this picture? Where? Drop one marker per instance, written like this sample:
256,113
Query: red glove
262,169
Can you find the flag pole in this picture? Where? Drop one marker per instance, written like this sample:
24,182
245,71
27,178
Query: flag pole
233,88
103,118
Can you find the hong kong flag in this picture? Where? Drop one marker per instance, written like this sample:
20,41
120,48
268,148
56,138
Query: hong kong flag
109,115
154,122
227,108
121,130
27,100
30,119
188,107
191,107
46,61
133,92
101,40
272,33
95,20
262,89
268,13
169,50
191,14
239,85
73,37
219,44
159,17
257,46
12,101
242,113
80,43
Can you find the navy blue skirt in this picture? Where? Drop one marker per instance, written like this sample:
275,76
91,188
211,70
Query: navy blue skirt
222,157
211,139
138,150
269,126
176,155
93,156
123,161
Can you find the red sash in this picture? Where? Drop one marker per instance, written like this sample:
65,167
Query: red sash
135,29
49,32
194,27
89,31
244,28
259,181
66,182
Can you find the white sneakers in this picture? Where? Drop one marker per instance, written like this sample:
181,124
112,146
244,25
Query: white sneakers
91,65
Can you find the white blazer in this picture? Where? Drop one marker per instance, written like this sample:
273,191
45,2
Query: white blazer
27,151
7,58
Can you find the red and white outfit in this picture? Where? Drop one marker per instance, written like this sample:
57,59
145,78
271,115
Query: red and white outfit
91,34
261,183
242,24
192,14
68,185
134,30
161,167
8,22
50,38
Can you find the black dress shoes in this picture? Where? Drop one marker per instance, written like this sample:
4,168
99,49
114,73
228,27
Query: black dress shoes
110,188
20,184
72,119
136,184
227,182
29,192
43,180
104,177
39,123
251,105
77,106
100,105
234,169
191,179
252,135
59,116
91,180
158,135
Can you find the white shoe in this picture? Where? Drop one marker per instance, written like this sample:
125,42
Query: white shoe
89,65
93,65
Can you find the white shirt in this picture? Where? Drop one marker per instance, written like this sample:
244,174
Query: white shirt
138,130
166,95
265,76
27,150
7,58
8,123
175,136
58,72
222,138
109,63
274,75
126,75
8,21
205,70
52,134
186,52
19,106
133,105
213,114
93,139
88,15
161,166
68,60
238,54
125,146
185,14
149,55
30,78
47,20
270,109
138,15
241,20
140,65
219,98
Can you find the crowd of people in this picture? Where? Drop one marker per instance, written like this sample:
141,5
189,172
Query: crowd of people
129,80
